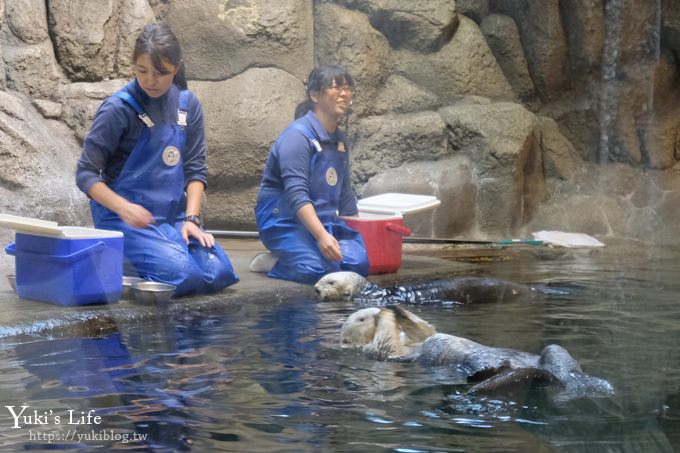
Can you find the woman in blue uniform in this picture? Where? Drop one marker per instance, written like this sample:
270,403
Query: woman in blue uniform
143,166
307,184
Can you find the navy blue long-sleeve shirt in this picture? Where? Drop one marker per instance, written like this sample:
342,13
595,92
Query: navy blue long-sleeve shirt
116,128
287,168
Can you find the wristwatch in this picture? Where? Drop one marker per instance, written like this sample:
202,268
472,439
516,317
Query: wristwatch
196,219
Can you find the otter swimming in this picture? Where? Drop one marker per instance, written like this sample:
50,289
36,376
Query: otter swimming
396,334
461,290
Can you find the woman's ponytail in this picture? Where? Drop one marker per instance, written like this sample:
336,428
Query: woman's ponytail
180,78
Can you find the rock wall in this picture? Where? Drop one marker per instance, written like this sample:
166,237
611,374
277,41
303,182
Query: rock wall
518,114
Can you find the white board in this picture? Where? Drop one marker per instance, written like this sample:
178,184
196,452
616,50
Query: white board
405,203
29,225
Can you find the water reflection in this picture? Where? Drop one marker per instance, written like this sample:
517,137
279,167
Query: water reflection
271,376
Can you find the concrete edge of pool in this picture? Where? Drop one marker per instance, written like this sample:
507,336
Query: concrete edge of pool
25,317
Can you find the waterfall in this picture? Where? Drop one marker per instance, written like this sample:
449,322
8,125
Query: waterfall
608,101
642,51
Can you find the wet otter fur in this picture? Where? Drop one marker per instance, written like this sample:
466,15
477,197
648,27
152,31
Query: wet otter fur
463,290
396,334
342,285
385,332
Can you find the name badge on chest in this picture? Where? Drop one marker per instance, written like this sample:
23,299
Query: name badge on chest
171,156
331,177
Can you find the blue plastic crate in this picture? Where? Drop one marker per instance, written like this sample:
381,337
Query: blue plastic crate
83,267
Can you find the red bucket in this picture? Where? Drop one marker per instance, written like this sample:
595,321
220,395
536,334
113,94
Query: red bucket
382,235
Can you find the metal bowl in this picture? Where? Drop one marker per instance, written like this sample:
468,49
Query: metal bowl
12,281
127,286
152,293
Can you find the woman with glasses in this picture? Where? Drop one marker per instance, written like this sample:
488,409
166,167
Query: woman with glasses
307,184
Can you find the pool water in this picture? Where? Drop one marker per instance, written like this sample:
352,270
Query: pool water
270,377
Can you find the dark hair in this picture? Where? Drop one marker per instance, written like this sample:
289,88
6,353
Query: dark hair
319,79
160,43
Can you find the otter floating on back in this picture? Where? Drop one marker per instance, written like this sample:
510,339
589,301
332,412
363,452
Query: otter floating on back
396,334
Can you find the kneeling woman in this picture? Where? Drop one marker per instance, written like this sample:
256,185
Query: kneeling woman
143,166
307,184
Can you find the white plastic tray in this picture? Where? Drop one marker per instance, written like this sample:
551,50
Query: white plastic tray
564,239
29,225
405,203
39,227
372,215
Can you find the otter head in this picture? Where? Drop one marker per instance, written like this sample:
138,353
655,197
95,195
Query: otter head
339,286
359,328
383,333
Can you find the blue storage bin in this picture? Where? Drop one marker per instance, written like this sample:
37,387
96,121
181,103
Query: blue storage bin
84,266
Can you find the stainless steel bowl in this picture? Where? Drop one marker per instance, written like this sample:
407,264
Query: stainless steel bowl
152,293
127,286
12,281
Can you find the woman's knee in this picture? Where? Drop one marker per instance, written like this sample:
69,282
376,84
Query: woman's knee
179,269
360,267
217,271
355,259
307,270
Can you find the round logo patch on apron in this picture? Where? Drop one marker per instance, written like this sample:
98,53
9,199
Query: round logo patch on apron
331,177
171,156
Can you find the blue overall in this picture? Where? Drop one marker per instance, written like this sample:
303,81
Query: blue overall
299,257
153,177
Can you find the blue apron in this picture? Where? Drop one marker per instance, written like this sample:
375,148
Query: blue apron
299,257
153,177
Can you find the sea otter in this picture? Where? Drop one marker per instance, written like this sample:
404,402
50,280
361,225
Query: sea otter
462,290
396,334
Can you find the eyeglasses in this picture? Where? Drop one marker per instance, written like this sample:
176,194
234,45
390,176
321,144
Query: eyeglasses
339,89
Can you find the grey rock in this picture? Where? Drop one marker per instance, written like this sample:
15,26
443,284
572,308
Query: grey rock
48,109
493,134
661,139
400,95
578,121
613,200
670,32
504,40
503,141
476,10
94,40
449,179
543,39
388,141
560,158
37,178
464,66
32,69
356,46
27,28
584,25
419,25
81,100
235,36
667,216
96,91
231,209
3,78
160,8
243,117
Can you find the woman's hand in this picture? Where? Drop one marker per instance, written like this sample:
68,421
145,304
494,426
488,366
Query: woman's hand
190,229
327,244
135,215
329,247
